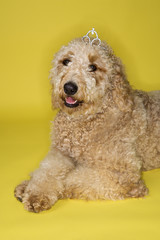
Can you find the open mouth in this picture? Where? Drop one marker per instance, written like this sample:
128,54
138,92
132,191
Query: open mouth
71,102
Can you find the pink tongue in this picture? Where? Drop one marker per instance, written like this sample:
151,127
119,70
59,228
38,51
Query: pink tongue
70,100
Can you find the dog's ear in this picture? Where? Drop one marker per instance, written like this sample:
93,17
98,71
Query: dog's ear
53,96
121,89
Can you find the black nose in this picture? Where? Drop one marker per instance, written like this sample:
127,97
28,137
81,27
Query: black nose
70,88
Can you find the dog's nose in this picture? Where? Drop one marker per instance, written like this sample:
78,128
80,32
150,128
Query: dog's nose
70,88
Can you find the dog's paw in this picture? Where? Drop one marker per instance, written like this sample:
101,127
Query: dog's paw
19,190
138,190
37,202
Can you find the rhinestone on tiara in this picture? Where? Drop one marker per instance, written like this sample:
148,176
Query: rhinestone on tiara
90,40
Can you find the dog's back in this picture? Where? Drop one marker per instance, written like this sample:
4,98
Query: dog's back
148,144
155,95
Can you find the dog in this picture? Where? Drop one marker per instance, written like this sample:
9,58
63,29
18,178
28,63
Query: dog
104,135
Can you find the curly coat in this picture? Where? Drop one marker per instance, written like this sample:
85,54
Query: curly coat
101,146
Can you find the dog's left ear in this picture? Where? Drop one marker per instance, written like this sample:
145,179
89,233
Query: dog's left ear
121,89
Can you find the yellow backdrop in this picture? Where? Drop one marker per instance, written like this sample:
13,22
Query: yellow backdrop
31,32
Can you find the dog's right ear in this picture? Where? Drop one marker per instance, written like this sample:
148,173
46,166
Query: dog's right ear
53,97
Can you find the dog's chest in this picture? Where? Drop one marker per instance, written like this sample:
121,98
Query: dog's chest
78,139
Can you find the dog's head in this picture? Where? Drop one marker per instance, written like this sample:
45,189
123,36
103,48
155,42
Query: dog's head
85,78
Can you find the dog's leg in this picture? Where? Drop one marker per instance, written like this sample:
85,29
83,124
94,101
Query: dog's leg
83,183
92,184
46,184
126,172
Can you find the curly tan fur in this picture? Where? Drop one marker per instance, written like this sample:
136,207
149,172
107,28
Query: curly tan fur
99,148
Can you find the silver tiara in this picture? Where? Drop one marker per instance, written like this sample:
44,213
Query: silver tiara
90,40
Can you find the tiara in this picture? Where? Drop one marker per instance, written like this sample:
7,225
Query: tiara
90,40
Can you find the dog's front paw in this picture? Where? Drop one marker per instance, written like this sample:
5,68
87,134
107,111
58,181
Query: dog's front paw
20,189
37,202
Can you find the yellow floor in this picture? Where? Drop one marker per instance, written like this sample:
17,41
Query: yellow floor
23,145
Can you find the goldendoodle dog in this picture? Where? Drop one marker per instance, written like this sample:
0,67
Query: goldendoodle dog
104,135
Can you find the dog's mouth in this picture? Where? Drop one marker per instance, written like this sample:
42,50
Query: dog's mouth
71,102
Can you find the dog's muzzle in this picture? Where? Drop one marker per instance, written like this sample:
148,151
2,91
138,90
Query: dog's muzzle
70,88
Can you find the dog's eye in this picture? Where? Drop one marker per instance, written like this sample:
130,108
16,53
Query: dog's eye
92,67
66,62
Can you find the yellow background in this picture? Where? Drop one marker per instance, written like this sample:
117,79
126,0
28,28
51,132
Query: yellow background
31,31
